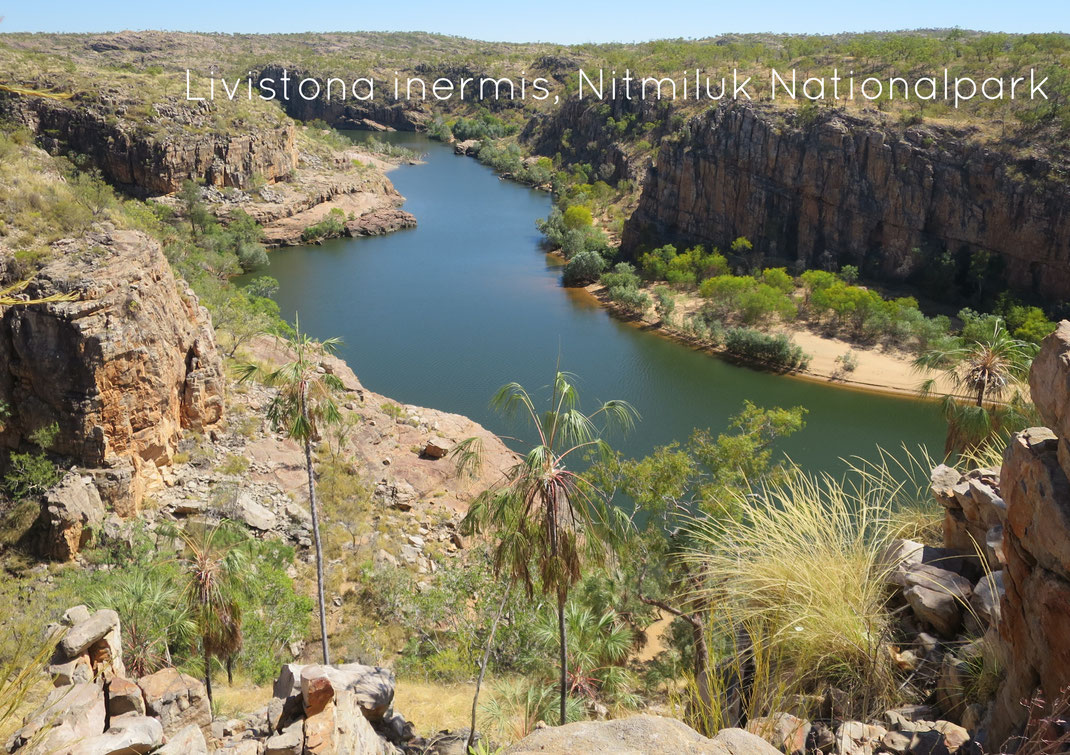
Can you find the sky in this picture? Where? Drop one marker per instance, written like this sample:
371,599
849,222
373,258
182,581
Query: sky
564,21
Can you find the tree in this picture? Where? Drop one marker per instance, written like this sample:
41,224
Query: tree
545,513
986,365
676,486
190,196
214,565
584,268
305,402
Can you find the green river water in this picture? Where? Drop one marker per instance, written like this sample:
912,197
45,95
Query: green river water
442,315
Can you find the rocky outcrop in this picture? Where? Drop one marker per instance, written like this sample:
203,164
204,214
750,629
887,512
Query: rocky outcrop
1036,544
378,222
121,371
650,735
70,513
580,131
862,193
155,152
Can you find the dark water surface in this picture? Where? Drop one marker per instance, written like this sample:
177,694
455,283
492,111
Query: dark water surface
444,314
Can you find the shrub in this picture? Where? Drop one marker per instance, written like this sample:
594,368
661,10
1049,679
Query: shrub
330,227
746,298
252,256
665,302
576,217
778,278
583,268
775,350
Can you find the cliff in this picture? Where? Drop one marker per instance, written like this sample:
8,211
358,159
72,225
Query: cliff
122,371
154,152
1019,518
1036,544
863,193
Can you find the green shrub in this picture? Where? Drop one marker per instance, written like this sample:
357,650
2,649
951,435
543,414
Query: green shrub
584,268
331,226
774,350
252,256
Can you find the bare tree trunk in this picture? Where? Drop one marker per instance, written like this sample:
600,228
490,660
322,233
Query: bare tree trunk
230,670
207,673
562,632
701,668
315,532
483,665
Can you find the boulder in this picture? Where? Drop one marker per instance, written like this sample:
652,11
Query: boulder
177,700
373,686
436,449
70,715
1049,381
78,639
341,728
933,578
124,696
937,608
638,735
189,740
247,510
987,594
77,671
857,738
128,735
289,741
72,511
784,731
98,639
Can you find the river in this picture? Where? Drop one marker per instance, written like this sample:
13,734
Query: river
444,314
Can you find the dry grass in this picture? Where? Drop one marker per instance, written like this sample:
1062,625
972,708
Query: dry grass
432,707
802,572
244,697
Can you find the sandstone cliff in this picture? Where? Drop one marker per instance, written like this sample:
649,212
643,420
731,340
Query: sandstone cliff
1036,544
865,194
155,152
122,370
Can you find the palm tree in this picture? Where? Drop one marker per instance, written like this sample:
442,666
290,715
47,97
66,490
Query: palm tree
598,648
305,401
214,565
544,513
988,369
155,617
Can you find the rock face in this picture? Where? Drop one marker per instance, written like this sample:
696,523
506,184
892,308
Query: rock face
132,157
378,222
71,512
638,735
852,189
1036,544
121,371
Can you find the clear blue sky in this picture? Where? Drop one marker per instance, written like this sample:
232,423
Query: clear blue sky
551,20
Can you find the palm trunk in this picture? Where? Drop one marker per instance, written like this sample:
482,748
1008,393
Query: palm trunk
230,670
483,666
315,533
207,673
564,650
